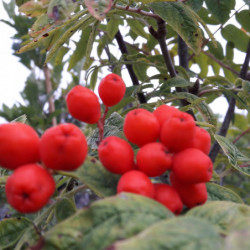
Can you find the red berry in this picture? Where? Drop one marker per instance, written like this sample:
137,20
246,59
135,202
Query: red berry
137,182
178,131
111,89
19,145
169,197
192,166
29,188
141,127
191,194
164,112
83,104
153,159
201,140
116,155
63,147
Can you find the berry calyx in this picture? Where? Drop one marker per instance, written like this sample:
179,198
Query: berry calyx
83,104
137,182
63,147
192,166
29,188
169,197
19,145
153,159
178,131
116,155
141,127
111,89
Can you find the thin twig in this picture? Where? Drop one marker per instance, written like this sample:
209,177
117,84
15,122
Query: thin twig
241,135
124,51
49,90
221,63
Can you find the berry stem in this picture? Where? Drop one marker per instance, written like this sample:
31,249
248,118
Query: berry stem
101,123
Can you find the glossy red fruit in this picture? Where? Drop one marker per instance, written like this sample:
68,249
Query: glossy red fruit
164,112
29,188
83,104
141,127
191,194
137,182
63,147
192,166
169,197
201,140
178,131
19,145
116,155
111,89
153,159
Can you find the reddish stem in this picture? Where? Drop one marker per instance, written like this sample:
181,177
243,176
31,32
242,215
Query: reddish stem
101,123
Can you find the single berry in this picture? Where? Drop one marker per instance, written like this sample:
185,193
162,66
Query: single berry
111,89
169,197
192,166
29,188
191,194
63,147
137,182
153,159
141,127
116,155
201,140
178,131
83,104
19,145
164,112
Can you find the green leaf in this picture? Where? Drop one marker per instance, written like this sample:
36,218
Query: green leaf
216,51
20,2
195,4
233,34
11,230
93,78
230,51
206,16
220,9
174,82
238,240
97,178
233,154
222,214
202,61
243,18
83,22
179,233
219,193
181,19
98,9
137,27
80,50
33,9
22,119
105,222
64,208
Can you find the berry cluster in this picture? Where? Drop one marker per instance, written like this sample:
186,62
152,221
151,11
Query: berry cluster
168,140
29,188
63,147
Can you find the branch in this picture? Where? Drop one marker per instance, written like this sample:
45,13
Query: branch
230,112
221,63
183,53
48,86
124,51
242,134
160,36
